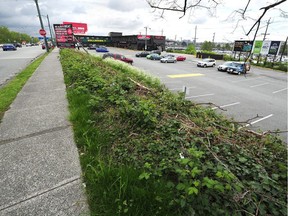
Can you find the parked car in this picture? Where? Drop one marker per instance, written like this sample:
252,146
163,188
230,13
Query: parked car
18,45
102,49
153,56
142,54
239,68
156,51
180,58
168,59
92,46
7,47
207,62
224,66
118,57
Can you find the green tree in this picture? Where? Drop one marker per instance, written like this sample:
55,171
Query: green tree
227,46
190,49
7,36
207,46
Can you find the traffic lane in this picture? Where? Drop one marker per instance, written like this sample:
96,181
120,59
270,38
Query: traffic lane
242,103
244,97
12,62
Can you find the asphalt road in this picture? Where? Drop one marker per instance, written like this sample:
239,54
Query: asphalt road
12,62
259,99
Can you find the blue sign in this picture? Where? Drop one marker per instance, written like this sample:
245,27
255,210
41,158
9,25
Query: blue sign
42,38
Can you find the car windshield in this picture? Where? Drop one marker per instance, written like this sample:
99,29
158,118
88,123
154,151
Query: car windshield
206,60
228,63
238,65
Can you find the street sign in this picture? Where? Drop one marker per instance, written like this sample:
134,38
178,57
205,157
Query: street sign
42,32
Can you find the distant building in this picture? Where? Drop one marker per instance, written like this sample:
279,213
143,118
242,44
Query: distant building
116,39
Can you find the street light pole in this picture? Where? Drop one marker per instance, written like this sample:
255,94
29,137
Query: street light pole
42,26
52,39
146,27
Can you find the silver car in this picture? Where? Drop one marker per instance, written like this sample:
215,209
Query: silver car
224,66
168,59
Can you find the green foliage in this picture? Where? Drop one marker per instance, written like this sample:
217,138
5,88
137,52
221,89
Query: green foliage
207,46
190,49
7,36
146,151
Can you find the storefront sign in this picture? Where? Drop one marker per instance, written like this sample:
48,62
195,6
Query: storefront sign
243,46
64,35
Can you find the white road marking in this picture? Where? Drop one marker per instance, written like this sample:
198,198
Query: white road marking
266,117
280,90
259,85
196,96
246,79
227,105
175,89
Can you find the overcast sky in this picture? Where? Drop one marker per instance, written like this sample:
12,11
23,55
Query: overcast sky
132,16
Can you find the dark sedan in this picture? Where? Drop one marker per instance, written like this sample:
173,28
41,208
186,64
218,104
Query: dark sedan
7,47
142,54
102,49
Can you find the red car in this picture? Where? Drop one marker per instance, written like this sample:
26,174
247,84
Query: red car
118,57
180,58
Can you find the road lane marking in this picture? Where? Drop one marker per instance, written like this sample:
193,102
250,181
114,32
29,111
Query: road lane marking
246,79
185,75
196,96
261,119
279,90
227,105
259,85
175,89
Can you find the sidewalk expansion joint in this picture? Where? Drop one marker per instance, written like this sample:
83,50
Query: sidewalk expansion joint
40,193
3,142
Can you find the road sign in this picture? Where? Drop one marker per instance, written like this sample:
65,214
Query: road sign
42,32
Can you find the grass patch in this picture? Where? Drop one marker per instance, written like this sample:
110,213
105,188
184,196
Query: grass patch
146,151
9,92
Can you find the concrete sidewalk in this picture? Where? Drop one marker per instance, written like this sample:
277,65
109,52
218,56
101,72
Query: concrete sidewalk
40,172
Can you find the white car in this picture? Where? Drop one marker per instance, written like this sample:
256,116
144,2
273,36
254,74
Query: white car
168,59
207,62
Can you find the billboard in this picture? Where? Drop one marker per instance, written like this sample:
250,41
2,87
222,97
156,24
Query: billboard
78,28
265,47
64,35
274,47
143,37
257,47
243,46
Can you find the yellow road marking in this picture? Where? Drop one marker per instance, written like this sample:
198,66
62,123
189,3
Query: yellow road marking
185,75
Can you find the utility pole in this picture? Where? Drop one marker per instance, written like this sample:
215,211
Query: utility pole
41,23
195,35
213,37
146,27
52,39
284,48
264,38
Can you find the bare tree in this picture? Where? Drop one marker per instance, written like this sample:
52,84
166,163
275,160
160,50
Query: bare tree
181,5
184,5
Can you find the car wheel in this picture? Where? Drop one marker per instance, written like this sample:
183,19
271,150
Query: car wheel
205,66
166,61
239,73
213,65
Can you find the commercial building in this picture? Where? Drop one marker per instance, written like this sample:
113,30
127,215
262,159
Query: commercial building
116,39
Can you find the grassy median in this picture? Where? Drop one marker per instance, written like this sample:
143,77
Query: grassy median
10,90
146,151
